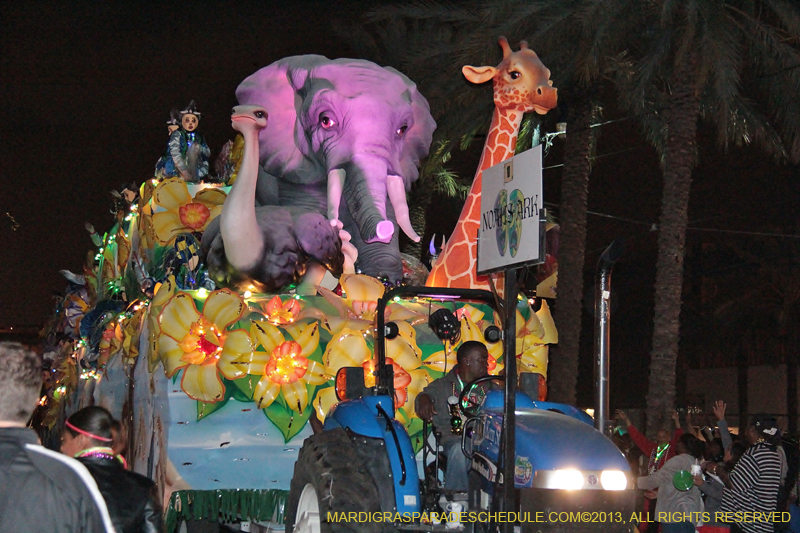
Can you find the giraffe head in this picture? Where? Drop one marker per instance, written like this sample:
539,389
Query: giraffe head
521,81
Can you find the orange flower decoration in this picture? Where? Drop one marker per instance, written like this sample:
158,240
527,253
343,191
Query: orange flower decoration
402,380
280,313
194,215
286,365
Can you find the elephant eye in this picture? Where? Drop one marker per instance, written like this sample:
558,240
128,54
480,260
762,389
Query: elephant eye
514,74
402,130
326,122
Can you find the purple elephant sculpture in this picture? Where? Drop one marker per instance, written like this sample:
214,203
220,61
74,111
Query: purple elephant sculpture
342,137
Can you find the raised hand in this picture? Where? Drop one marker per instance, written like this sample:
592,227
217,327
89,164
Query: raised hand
676,418
719,409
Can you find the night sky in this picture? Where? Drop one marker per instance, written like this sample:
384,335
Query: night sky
85,91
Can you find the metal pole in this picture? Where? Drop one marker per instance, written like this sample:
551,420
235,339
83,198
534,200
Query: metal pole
510,360
602,333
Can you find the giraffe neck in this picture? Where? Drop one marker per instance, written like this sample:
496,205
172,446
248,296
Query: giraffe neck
501,141
461,249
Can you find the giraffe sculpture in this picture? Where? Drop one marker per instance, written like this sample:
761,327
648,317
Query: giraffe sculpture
521,84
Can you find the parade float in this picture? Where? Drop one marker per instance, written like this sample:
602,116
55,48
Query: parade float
214,314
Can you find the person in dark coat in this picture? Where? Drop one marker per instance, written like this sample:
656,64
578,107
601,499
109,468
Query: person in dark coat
40,490
131,498
432,405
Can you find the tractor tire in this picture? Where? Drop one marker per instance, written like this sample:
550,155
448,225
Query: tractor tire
330,482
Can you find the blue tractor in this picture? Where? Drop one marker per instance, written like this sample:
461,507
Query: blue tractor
360,473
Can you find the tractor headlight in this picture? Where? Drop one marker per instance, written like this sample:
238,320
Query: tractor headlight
567,480
613,480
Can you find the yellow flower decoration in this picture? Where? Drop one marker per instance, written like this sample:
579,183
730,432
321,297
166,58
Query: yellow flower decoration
533,338
349,348
325,399
200,343
116,253
128,331
357,308
163,292
287,370
184,214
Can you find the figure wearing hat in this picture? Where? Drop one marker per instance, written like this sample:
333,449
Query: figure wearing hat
188,148
753,486
165,168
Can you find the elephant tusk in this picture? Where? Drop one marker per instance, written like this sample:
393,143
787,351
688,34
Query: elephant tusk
397,195
335,186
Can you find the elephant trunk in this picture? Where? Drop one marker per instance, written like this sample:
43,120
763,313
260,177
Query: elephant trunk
380,260
365,192
365,184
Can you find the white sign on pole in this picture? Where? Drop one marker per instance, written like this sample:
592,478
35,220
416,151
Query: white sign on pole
510,232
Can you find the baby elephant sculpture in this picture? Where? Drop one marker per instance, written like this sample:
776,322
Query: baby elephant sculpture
342,136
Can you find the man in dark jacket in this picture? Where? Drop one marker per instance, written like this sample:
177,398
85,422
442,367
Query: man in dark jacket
472,362
40,490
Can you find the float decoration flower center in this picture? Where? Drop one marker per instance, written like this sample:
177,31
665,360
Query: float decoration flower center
286,364
194,215
202,344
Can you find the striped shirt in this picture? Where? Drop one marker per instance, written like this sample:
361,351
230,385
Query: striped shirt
755,479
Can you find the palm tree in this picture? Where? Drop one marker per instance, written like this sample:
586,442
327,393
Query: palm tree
754,314
734,64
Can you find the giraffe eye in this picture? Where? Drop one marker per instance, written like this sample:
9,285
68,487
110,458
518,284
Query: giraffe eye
514,74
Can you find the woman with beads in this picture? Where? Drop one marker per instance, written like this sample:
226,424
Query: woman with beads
131,498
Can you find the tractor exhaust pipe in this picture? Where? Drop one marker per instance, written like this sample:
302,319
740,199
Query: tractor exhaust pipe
602,330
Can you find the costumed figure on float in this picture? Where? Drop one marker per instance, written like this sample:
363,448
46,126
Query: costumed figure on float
187,148
165,167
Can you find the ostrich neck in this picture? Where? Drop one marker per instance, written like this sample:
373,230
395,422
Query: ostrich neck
244,189
243,238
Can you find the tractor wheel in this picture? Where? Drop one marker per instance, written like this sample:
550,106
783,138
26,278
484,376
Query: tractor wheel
329,483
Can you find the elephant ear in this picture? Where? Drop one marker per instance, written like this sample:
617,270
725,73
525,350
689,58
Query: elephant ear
272,88
419,136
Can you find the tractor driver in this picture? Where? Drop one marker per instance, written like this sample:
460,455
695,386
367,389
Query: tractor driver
472,362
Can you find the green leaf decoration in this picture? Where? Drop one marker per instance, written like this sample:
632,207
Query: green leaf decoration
242,389
204,409
316,355
287,421
414,425
225,505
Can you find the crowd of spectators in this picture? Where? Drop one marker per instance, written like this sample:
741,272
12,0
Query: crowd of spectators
703,478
